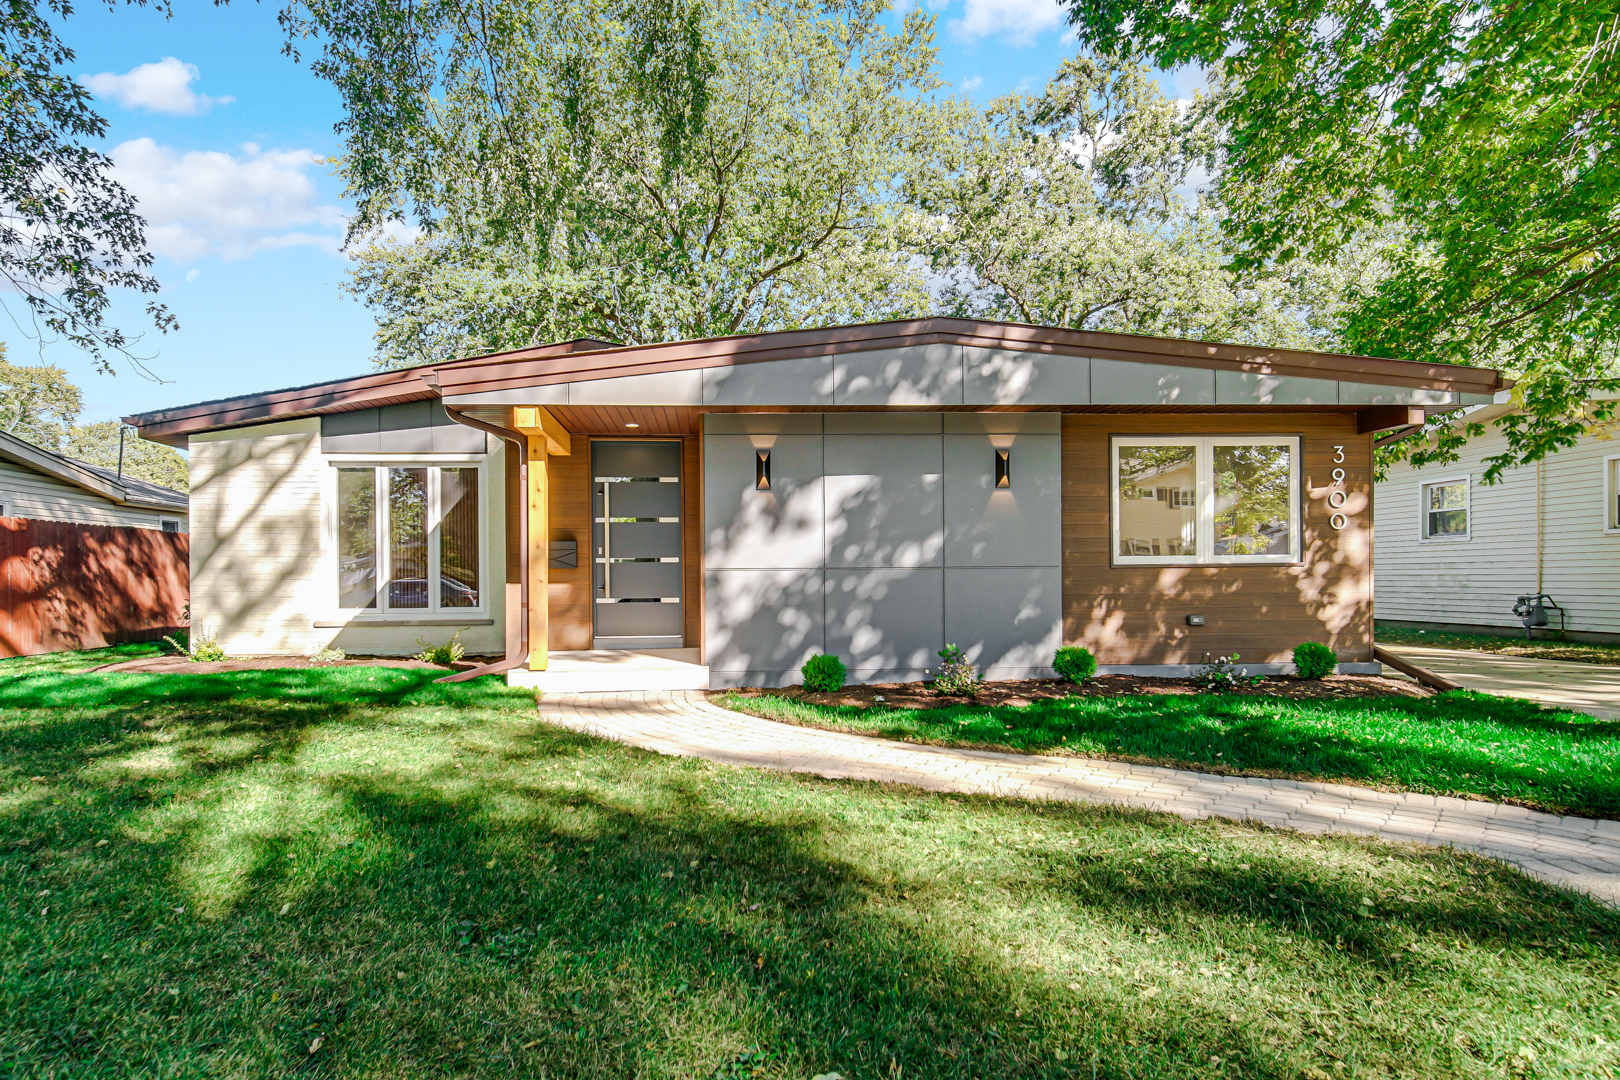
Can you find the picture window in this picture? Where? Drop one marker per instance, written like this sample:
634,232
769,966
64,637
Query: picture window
1214,500
409,538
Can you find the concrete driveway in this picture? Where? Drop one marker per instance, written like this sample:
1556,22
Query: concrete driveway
1588,688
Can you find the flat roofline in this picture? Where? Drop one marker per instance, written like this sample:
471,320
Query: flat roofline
584,359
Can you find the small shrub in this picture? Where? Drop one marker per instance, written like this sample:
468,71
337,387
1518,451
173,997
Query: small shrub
202,648
1224,675
329,655
1075,664
956,674
1313,660
824,674
445,654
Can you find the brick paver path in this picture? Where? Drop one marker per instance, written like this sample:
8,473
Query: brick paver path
1577,853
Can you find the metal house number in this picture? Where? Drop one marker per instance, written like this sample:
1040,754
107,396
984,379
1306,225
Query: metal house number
1337,497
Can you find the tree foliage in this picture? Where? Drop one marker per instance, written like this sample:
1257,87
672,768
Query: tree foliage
1066,209
70,234
1482,133
37,402
143,460
622,170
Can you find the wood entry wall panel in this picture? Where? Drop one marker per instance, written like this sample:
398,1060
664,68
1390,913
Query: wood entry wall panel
1137,614
570,590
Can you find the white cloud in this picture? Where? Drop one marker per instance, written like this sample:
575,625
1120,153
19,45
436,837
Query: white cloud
163,87
201,203
970,85
1017,21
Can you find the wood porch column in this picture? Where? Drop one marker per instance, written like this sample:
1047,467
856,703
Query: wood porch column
545,437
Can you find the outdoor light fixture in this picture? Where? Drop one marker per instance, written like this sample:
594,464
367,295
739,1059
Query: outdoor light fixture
1003,469
762,470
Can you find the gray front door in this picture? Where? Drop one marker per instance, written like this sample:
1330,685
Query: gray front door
636,535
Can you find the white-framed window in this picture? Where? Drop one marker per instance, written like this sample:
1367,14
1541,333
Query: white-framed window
1217,500
410,537
1611,494
1443,504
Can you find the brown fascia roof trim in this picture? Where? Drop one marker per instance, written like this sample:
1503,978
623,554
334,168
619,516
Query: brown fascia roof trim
518,369
342,395
582,359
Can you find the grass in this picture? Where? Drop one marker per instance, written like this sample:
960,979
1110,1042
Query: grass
68,663
1504,644
1449,744
356,873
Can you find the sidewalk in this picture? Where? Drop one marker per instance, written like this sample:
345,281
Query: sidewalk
1576,853
1589,688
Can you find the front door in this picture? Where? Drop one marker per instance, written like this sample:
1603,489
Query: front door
636,535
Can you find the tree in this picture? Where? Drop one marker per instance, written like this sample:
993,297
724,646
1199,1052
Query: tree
98,444
69,233
1485,134
1065,209
37,403
626,170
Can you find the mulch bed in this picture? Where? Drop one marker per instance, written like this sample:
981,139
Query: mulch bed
180,665
1021,692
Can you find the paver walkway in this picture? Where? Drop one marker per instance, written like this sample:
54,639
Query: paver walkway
1577,853
1588,688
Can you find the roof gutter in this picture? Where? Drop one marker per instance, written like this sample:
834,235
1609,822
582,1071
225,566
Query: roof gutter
513,660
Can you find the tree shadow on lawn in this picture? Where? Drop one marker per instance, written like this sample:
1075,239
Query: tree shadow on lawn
1440,745
537,911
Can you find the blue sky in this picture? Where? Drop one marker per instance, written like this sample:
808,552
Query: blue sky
225,142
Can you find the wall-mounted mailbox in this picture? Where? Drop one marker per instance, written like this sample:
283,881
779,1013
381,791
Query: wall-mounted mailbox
565,554
1195,620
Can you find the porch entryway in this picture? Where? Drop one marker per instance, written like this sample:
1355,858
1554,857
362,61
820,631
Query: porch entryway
596,671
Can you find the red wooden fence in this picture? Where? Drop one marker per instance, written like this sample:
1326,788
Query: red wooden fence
70,586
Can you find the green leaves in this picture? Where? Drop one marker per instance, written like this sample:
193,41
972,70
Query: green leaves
1479,136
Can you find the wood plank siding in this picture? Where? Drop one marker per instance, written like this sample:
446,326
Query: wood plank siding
28,494
1137,614
570,590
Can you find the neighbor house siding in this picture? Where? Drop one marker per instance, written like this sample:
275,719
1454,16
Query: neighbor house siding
1137,615
259,565
1474,582
29,494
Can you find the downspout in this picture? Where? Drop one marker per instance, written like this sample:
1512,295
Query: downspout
1539,557
521,445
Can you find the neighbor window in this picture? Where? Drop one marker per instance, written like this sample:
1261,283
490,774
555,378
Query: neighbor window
1224,499
1445,509
1611,494
169,525
409,538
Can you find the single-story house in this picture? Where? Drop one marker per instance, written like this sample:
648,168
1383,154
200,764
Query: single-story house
38,483
1455,553
873,491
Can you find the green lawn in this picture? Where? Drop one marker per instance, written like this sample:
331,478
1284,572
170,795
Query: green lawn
1507,644
357,873
76,662
1457,743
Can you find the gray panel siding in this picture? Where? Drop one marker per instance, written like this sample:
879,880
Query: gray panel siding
918,375
1476,581
1243,388
1124,382
864,540
1004,377
800,382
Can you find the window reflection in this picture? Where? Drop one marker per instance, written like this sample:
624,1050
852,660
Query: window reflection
357,538
1252,504
407,538
458,538
1158,500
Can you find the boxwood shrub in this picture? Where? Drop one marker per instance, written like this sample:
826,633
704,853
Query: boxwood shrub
823,674
1074,663
1313,660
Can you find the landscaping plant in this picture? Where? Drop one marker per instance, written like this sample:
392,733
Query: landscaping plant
1224,675
445,654
956,674
203,647
329,655
1313,660
823,674
1074,663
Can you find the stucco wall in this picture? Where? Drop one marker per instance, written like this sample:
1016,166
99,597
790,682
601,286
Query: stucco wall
262,574
881,540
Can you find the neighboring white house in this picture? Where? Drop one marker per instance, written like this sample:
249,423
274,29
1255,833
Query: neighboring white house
36,483
1453,552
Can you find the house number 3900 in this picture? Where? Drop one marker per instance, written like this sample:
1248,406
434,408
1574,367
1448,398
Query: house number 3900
1337,496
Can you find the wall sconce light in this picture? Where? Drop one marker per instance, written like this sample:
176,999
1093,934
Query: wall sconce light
1003,469
762,470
